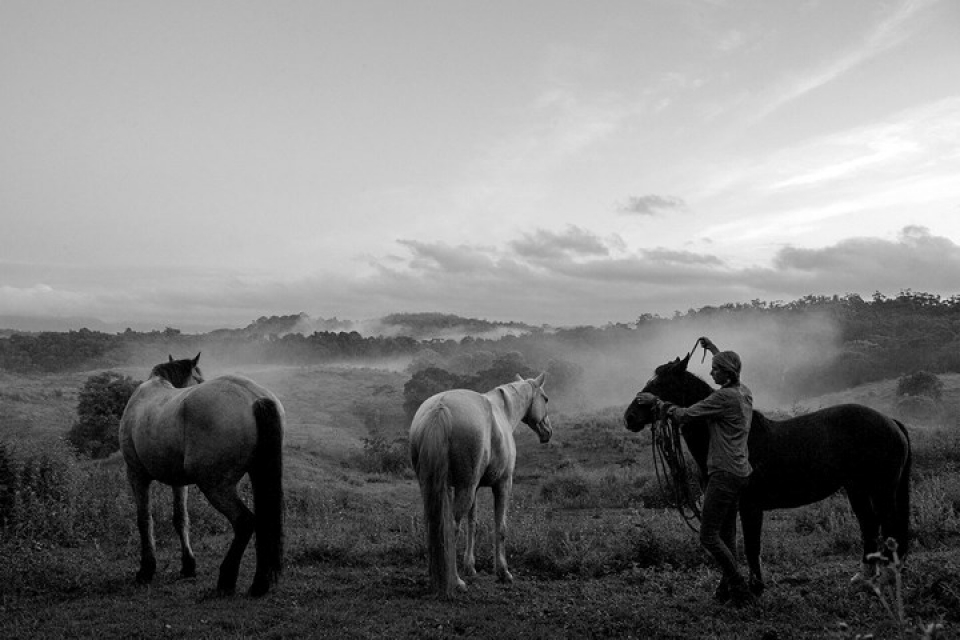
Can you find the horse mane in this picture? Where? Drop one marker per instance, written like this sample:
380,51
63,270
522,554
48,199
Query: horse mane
176,372
690,388
510,394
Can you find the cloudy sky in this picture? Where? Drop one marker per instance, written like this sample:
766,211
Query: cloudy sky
547,161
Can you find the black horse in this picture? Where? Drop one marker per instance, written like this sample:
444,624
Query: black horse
804,460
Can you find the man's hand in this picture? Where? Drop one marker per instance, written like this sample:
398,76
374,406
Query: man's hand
647,399
707,344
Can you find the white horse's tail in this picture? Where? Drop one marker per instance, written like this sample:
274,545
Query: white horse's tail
433,472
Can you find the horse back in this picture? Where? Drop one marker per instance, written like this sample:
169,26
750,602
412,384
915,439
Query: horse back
480,449
181,436
809,457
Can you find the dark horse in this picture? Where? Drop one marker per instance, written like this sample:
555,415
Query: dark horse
179,430
804,460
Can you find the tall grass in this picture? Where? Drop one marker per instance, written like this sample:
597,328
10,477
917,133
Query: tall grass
576,522
48,495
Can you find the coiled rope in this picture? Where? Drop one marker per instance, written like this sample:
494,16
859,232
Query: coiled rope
673,474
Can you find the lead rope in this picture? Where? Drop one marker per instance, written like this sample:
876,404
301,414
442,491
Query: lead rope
672,472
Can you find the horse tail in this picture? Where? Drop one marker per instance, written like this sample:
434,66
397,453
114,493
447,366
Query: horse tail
266,478
902,533
433,473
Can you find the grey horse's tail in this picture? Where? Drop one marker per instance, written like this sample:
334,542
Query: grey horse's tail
902,534
433,472
266,479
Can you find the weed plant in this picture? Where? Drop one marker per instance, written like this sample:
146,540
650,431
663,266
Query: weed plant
384,457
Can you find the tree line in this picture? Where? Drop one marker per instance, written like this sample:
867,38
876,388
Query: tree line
878,338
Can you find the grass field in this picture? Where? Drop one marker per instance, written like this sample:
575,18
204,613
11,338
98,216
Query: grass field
593,551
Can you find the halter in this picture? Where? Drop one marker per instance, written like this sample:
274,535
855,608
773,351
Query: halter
671,466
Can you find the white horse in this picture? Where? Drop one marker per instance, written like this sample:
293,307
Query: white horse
461,440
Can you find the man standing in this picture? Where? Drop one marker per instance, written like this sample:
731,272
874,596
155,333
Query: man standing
726,413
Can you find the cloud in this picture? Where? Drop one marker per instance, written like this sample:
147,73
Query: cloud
562,278
650,205
458,259
572,242
916,260
888,33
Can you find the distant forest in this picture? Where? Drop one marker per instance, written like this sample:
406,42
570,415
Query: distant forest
875,339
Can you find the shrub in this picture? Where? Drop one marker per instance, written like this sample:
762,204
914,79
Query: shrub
380,456
920,383
424,384
99,408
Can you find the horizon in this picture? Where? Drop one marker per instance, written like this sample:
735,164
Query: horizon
376,326
185,165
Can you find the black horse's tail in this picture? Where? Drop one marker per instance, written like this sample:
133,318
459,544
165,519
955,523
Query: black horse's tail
266,478
902,533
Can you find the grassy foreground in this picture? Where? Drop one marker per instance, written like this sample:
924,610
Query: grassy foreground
594,551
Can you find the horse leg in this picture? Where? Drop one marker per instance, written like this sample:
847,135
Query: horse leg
140,487
884,497
224,499
863,509
469,555
501,504
751,521
464,503
181,522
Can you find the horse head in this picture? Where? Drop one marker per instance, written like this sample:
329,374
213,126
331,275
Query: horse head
670,382
180,373
536,416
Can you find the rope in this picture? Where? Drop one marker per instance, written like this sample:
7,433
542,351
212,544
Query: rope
671,467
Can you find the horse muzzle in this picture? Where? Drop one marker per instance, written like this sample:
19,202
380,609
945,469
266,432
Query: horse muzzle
636,417
544,430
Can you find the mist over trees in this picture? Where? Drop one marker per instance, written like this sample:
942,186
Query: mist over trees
809,346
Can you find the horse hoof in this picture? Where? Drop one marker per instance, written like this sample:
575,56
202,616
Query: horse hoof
259,588
188,569
506,577
757,587
224,592
461,585
144,578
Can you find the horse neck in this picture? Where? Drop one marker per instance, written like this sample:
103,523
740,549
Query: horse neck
173,372
516,398
691,391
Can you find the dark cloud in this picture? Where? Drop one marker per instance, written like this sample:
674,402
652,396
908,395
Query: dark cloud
915,260
650,205
570,243
459,259
670,256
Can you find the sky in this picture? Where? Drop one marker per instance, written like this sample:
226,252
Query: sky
202,164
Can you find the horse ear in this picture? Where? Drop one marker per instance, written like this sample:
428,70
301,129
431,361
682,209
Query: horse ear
685,361
197,359
171,358
540,378
519,378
